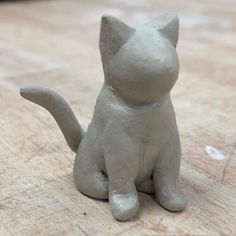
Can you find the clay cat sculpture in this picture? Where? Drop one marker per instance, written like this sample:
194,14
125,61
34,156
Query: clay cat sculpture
132,143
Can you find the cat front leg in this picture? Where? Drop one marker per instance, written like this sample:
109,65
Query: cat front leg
166,176
122,166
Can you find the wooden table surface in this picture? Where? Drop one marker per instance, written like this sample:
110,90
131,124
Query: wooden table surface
55,44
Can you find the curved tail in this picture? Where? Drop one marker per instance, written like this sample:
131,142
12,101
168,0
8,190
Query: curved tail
60,110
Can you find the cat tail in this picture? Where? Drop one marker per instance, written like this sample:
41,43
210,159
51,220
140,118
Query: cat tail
59,109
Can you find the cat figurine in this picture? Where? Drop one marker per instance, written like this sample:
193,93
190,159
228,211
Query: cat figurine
132,143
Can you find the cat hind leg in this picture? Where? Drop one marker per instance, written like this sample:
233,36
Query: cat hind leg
88,176
147,186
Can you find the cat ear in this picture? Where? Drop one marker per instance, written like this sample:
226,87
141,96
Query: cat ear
113,35
168,25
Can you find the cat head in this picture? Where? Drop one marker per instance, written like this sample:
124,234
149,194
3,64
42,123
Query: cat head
141,65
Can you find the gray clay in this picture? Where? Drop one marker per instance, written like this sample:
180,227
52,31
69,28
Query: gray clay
132,143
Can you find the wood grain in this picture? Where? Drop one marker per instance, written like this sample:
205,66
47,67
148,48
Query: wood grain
55,44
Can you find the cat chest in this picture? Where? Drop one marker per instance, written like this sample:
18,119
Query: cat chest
148,153
149,128
149,134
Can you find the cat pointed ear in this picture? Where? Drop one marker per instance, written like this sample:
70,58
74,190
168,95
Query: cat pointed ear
113,35
168,25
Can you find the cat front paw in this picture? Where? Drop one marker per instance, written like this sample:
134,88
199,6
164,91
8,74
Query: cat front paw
124,206
172,199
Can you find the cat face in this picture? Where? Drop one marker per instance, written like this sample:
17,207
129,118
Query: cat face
140,65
